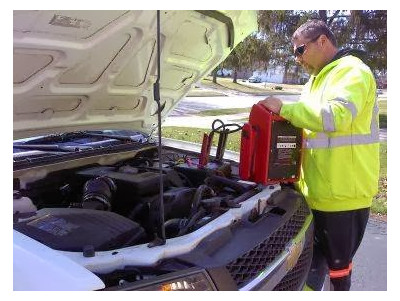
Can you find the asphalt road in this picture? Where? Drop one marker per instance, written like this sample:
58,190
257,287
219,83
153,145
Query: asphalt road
192,105
370,262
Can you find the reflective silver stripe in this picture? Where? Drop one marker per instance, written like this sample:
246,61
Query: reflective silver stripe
328,122
329,142
348,105
323,141
375,125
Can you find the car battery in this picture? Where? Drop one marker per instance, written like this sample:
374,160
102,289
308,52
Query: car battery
270,150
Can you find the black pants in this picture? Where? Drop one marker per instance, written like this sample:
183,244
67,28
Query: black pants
337,237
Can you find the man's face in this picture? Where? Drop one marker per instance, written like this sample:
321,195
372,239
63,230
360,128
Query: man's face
308,54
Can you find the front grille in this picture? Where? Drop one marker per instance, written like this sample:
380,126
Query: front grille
296,276
249,265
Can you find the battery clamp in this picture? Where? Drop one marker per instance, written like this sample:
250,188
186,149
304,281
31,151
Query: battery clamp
218,126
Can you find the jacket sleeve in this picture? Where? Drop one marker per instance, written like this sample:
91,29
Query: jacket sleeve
343,97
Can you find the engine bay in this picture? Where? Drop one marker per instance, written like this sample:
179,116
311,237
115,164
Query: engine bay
106,207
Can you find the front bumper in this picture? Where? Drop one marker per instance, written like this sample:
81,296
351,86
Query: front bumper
289,271
272,253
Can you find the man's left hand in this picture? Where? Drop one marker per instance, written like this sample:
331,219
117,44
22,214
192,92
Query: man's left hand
272,103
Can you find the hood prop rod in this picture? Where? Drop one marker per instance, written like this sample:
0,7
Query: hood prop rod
159,240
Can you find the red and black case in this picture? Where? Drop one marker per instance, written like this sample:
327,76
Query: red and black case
270,150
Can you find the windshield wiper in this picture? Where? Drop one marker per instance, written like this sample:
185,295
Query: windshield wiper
53,147
117,137
66,137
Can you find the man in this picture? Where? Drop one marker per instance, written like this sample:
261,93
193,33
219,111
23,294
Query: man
339,177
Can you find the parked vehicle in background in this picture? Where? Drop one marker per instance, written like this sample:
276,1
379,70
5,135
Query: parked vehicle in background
255,79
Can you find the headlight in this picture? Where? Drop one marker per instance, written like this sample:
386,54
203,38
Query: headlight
197,281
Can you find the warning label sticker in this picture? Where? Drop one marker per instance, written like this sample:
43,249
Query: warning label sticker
286,145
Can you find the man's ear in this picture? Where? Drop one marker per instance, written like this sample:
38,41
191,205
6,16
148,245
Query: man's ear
322,40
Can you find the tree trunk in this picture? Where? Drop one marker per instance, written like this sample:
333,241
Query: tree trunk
323,15
286,80
235,76
214,74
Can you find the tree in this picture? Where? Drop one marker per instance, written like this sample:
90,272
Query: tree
244,55
370,34
271,46
366,30
275,29
361,29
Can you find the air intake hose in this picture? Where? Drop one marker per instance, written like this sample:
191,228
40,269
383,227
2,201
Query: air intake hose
97,193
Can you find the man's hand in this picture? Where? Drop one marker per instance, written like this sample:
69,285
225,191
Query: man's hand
272,103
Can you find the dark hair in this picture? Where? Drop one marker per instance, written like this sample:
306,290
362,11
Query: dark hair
313,29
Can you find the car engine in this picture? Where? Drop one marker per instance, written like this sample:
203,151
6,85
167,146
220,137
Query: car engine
101,208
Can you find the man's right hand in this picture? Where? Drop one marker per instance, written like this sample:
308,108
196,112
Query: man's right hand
272,103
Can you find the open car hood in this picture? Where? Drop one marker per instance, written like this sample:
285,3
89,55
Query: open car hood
87,70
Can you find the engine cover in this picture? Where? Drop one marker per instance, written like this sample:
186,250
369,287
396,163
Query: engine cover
73,229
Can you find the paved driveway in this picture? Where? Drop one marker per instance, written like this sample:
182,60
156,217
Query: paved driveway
370,262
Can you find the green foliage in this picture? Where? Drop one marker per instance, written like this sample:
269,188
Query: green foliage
275,30
369,32
272,46
244,55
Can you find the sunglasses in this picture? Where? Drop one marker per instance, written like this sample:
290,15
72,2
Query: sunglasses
299,51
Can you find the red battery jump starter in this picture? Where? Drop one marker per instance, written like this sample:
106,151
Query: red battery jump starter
270,149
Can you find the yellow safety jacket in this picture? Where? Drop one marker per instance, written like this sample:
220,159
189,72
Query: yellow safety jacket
339,114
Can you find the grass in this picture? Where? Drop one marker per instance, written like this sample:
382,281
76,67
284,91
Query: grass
382,104
217,112
201,93
379,205
196,135
383,121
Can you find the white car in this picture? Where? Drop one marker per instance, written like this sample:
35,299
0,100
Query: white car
254,79
92,207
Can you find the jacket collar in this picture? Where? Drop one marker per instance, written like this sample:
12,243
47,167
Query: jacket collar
361,54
